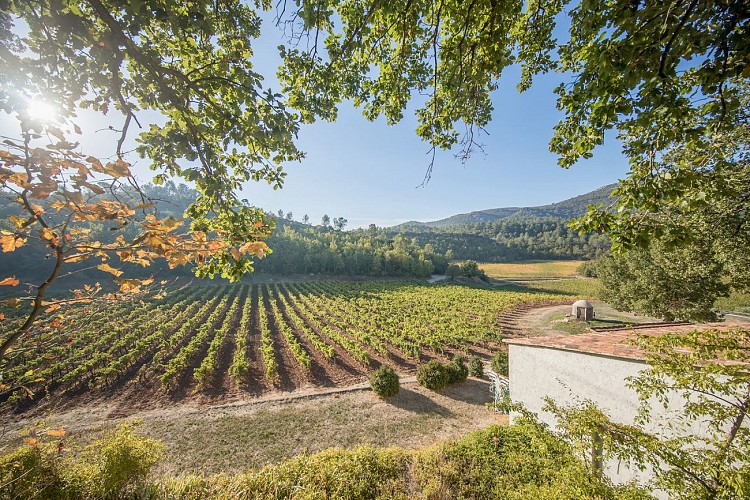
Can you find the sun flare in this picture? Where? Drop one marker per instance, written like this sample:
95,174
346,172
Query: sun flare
41,110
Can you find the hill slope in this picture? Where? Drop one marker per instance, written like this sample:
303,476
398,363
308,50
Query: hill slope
566,209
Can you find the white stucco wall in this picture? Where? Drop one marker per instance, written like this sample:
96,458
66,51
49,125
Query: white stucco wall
570,377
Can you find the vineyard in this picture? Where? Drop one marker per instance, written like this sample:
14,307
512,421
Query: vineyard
241,339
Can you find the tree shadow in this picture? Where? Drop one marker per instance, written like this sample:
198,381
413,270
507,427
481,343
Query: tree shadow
413,401
472,391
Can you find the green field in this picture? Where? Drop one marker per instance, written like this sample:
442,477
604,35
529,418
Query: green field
260,337
583,288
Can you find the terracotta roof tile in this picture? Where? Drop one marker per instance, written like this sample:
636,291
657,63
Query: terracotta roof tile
613,342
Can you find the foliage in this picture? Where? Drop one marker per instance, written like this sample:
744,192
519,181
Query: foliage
301,249
508,240
522,461
661,75
587,269
500,363
457,370
111,467
476,367
384,382
471,269
662,281
736,302
453,271
691,426
433,375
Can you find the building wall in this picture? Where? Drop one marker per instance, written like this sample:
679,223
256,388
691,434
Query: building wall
570,377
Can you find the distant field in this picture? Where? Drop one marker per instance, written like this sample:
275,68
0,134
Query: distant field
533,269
583,288
230,340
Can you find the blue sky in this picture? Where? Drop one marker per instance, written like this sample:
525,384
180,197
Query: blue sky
368,172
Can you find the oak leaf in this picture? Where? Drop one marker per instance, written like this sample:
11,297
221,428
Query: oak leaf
257,248
109,269
10,242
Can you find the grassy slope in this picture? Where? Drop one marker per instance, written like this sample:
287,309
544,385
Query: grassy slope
533,269
521,461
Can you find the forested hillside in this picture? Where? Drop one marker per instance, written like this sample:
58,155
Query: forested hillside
302,249
512,239
406,250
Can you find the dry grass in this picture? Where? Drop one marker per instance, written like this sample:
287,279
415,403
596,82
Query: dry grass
243,435
533,269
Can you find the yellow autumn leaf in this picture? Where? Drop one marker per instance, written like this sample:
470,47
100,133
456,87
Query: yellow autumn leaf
48,234
11,242
109,269
53,307
171,223
10,303
257,248
129,285
56,432
11,281
76,257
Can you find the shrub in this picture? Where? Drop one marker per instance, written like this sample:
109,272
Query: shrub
457,370
384,382
587,269
500,363
432,375
453,271
476,368
32,471
112,467
118,462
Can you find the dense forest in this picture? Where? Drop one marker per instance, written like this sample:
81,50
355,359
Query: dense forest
303,248
508,240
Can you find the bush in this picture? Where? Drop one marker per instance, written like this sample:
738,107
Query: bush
587,269
476,368
33,471
500,363
118,462
432,375
457,370
453,271
112,467
384,382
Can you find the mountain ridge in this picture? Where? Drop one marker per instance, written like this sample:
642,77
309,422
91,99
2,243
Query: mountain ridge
565,209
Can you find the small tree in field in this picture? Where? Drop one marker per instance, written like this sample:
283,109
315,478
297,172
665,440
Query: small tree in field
433,375
476,368
384,382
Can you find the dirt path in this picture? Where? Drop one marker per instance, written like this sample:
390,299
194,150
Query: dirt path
541,321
